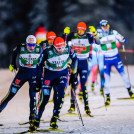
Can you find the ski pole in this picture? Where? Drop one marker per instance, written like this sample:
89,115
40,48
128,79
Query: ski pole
15,72
125,57
99,69
77,106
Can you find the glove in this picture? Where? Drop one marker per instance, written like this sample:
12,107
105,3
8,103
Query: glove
38,85
68,66
12,67
90,58
125,40
66,30
73,80
92,30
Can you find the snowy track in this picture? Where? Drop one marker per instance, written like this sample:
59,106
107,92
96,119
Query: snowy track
118,119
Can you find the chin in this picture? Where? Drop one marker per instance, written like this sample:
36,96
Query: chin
32,50
80,34
61,53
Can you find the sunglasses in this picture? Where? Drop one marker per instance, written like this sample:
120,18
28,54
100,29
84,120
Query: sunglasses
105,26
60,48
81,31
31,45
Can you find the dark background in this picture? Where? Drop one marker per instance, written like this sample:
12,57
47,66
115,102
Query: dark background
19,18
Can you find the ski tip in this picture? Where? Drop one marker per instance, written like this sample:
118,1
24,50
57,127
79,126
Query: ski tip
62,120
86,115
91,115
104,106
53,129
25,132
125,98
23,123
70,114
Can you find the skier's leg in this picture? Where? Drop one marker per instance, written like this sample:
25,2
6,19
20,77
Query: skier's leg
83,79
120,68
101,70
107,70
94,76
60,85
14,87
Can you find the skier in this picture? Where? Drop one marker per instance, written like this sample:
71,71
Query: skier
108,39
55,76
29,54
46,44
96,62
80,43
40,33
50,40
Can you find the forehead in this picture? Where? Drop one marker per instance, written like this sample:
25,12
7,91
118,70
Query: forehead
104,24
31,40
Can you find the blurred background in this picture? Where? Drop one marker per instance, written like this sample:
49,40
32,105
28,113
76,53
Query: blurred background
19,18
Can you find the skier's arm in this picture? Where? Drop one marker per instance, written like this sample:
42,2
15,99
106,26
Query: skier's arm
41,61
14,54
40,65
119,37
91,40
67,36
43,58
95,33
90,53
72,55
73,78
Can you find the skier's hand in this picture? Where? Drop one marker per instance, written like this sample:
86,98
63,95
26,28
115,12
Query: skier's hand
125,40
38,85
12,67
68,66
92,30
66,30
90,58
73,80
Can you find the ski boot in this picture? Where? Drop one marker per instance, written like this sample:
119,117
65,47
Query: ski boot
80,95
87,110
53,122
107,102
102,91
131,94
72,108
31,118
92,87
34,125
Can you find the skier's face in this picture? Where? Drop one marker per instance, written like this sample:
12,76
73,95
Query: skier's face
50,42
105,27
60,50
31,47
81,32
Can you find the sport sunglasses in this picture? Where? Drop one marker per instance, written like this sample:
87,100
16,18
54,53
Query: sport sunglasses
30,45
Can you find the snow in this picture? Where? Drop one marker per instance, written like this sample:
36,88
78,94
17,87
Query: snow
117,119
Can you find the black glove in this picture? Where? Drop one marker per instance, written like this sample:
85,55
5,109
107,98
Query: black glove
38,85
15,67
73,80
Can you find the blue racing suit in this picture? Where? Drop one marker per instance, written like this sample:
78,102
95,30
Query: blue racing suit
55,76
27,73
111,56
82,47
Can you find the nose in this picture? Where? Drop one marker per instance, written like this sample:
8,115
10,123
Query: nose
61,51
